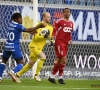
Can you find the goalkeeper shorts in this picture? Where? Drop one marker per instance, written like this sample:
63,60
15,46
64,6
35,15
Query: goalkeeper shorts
34,52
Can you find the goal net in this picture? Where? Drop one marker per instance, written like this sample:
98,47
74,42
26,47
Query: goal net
83,58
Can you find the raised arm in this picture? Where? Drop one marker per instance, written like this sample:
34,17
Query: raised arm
33,29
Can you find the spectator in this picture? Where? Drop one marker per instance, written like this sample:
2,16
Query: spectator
67,2
78,2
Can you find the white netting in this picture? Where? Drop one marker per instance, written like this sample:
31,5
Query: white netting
83,56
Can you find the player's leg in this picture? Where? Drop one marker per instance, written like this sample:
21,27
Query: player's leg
42,58
31,62
5,57
60,64
17,55
25,68
55,67
22,71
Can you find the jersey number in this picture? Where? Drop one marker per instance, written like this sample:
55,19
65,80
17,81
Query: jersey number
11,36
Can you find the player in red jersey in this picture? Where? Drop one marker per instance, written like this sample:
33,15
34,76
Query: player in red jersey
62,34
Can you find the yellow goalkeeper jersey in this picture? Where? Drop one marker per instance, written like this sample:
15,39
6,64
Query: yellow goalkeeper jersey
38,40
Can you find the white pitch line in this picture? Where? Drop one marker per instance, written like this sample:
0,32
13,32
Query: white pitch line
59,87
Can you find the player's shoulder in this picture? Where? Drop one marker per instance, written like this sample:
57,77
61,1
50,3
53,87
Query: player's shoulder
70,21
39,22
49,25
14,23
59,20
18,25
21,27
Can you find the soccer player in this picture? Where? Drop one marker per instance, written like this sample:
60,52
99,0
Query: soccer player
12,43
62,35
36,46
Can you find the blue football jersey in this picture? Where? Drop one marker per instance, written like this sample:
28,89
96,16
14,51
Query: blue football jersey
14,32
12,46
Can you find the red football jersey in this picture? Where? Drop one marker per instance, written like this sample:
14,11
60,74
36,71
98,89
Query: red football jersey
62,31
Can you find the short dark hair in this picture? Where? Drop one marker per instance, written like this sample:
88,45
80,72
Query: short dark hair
16,16
65,9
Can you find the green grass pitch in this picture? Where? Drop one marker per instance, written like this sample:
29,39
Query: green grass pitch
31,84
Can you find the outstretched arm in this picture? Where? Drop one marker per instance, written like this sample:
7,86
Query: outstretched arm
33,29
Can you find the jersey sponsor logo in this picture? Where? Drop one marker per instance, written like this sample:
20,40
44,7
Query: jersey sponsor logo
11,28
67,29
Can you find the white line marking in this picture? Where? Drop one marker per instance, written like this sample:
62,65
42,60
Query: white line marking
57,87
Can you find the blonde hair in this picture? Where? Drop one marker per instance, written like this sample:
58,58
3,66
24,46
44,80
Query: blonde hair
43,14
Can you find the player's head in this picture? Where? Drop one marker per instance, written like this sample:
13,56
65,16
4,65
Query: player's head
46,17
17,17
66,13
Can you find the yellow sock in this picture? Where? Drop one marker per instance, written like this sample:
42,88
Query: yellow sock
23,70
39,66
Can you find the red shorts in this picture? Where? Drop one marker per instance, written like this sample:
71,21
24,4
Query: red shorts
61,50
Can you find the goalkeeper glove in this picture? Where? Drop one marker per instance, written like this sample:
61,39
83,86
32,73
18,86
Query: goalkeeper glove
45,33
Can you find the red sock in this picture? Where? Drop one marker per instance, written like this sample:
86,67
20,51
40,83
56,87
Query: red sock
61,68
55,69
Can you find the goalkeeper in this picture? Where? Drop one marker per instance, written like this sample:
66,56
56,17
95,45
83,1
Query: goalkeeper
36,46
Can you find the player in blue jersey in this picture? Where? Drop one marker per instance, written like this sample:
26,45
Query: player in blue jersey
12,46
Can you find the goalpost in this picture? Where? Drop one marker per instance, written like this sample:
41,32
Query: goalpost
35,19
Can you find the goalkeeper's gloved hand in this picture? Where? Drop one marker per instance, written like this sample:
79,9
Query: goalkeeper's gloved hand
47,34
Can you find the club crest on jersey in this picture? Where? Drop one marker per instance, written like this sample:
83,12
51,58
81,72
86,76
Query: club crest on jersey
67,29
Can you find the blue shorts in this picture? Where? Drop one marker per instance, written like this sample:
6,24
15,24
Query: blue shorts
13,50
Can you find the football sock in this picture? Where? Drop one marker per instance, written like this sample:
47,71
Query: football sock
60,77
23,70
52,76
61,68
2,67
18,68
39,66
55,68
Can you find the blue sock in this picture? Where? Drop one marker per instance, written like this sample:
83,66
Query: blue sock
18,68
2,67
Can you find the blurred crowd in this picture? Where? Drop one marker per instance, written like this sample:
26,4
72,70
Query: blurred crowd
70,2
